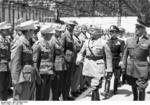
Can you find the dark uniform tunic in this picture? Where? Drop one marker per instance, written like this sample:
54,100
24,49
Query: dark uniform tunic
68,45
136,64
76,82
22,70
58,83
4,67
117,47
43,59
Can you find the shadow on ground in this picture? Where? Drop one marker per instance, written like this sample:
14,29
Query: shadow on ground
125,92
148,92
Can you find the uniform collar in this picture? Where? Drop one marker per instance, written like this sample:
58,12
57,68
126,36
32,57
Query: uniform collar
24,40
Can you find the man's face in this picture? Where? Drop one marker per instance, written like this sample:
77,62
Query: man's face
47,36
35,36
30,33
58,33
84,29
139,31
113,33
70,28
94,34
76,33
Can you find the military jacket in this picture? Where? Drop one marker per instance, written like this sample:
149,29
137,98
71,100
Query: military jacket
58,48
83,37
135,57
43,56
94,52
117,47
4,53
67,41
22,69
77,43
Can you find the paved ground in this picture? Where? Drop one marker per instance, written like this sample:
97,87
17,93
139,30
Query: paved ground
124,94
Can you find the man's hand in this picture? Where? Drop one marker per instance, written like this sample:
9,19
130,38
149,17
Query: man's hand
77,62
120,63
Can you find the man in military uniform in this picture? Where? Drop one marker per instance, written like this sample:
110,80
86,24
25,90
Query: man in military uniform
95,50
123,38
59,64
68,45
76,81
4,60
22,70
43,62
84,35
117,47
135,61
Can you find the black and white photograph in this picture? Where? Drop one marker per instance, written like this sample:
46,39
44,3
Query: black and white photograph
74,50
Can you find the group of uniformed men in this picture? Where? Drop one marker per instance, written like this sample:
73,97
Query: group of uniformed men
64,62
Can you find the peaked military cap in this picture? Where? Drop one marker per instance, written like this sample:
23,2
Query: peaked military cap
5,25
28,25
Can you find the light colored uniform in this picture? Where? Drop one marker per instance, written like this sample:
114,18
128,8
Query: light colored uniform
83,37
94,64
22,70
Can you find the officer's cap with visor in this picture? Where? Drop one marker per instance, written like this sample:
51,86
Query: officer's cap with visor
28,25
5,25
143,20
122,30
60,28
71,23
113,28
47,30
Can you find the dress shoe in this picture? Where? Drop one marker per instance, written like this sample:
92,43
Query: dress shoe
70,98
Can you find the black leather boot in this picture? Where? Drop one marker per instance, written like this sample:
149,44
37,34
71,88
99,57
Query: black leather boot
142,94
115,85
135,93
95,95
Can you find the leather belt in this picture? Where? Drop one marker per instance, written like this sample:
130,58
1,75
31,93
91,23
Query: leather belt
94,57
27,63
137,58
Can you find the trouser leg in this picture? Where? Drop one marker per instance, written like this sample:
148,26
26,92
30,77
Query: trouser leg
95,95
135,93
46,86
116,81
123,78
67,84
142,94
76,79
57,84
39,91
4,84
117,75
24,91
96,83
